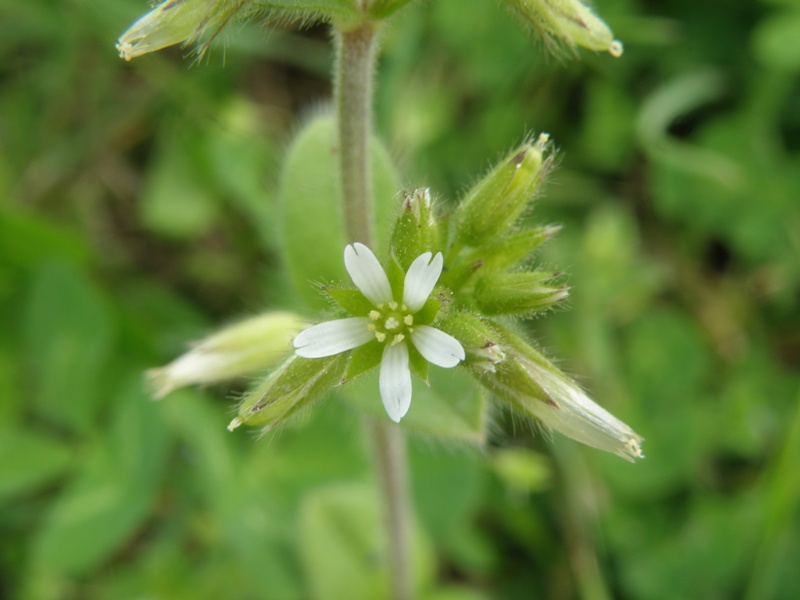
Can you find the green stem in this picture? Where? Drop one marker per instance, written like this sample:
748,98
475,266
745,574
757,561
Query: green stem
390,458
355,69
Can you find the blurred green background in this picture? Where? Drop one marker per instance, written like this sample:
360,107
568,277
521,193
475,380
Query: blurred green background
137,206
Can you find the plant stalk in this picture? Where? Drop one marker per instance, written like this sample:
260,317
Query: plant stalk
390,462
355,68
356,52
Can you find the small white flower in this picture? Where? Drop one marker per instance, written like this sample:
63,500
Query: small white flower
391,322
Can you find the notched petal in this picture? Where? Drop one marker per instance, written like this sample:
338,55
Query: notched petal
437,346
367,273
420,280
332,337
395,381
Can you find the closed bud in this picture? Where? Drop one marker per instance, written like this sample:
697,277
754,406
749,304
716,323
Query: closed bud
531,384
511,250
416,230
569,21
240,349
518,293
175,22
492,206
295,385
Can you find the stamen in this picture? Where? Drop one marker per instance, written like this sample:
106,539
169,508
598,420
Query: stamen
408,319
374,315
371,327
380,336
393,305
398,338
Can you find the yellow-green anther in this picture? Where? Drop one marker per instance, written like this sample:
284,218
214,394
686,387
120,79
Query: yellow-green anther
491,207
570,21
244,348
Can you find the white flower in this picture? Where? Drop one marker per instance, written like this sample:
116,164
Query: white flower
391,323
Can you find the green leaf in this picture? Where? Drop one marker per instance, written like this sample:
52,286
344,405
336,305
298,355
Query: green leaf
26,240
342,546
453,407
312,225
113,495
66,341
177,201
775,40
28,460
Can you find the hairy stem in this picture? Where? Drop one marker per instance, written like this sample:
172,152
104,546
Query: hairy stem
392,472
355,69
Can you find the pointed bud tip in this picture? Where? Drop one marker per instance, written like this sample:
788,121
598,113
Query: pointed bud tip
634,449
616,49
237,422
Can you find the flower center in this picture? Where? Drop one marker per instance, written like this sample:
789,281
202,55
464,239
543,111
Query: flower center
391,322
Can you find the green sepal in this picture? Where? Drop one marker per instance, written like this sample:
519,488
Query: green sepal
418,364
363,358
491,207
381,9
397,277
416,229
296,384
352,301
428,312
517,293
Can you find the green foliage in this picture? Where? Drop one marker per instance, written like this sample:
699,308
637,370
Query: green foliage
312,226
139,210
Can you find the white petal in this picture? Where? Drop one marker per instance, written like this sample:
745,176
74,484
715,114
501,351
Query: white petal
420,279
395,382
438,347
367,273
332,337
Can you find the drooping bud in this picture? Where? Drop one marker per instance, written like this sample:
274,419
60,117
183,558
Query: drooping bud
530,383
175,22
492,206
416,230
240,349
296,384
570,21
518,293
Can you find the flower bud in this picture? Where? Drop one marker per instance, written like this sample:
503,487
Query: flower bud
517,293
246,347
296,384
493,205
174,22
416,230
570,21
533,385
